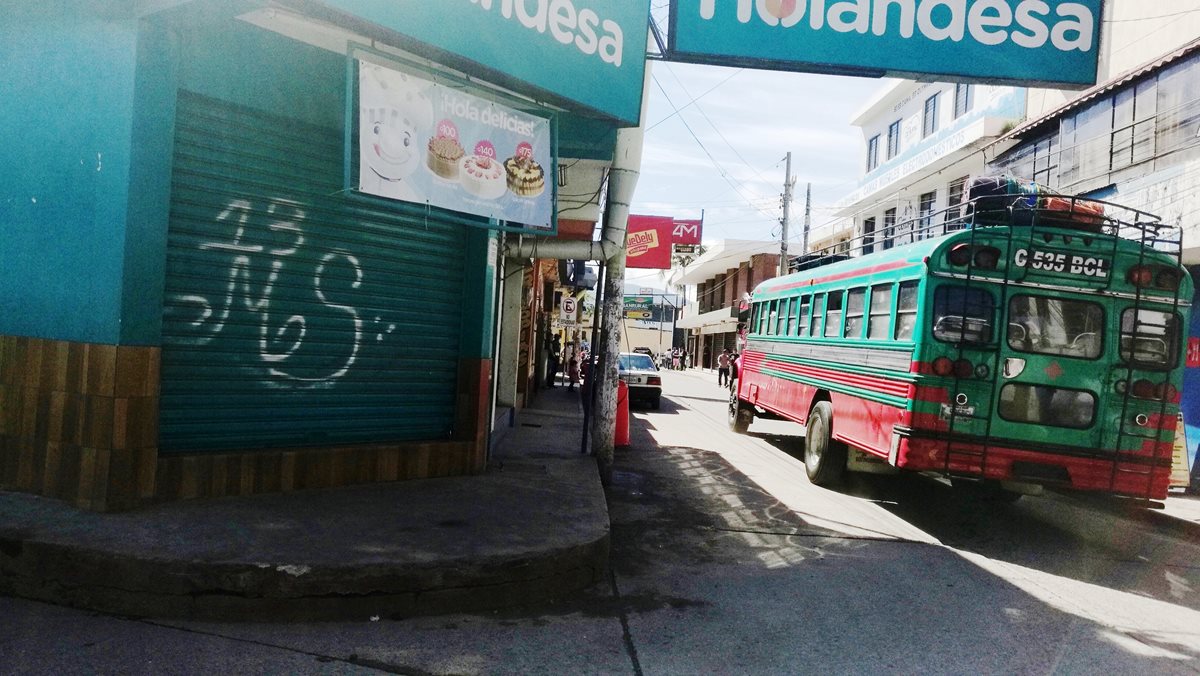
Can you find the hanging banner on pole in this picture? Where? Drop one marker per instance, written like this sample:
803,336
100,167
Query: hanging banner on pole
687,231
423,142
648,242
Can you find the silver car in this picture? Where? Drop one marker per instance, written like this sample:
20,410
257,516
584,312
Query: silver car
641,375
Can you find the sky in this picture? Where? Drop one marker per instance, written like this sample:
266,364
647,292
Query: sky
716,139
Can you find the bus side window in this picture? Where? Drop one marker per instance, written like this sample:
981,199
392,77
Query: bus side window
815,324
906,311
785,307
855,302
833,313
804,314
793,310
880,323
771,317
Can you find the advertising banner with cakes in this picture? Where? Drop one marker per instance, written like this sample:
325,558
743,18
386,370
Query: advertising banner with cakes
420,141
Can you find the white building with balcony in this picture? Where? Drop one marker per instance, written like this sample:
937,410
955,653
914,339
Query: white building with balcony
921,141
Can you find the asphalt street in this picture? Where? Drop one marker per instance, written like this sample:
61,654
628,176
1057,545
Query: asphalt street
726,560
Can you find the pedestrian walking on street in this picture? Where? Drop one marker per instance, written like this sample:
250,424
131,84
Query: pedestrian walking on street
572,367
723,367
683,359
553,366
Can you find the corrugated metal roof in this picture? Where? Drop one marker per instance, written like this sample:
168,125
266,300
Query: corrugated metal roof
1022,130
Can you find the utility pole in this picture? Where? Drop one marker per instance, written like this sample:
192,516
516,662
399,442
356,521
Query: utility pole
807,218
787,200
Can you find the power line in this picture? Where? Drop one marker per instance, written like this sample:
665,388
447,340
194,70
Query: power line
724,174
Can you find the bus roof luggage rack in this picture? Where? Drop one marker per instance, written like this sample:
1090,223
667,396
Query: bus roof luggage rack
814,260
1006,200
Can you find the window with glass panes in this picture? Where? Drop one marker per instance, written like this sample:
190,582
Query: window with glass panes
804,314
868,238
880,319
814,328
929,122
784,307
963,99
906,310
833,313
893,147
873,153
925,207
955,194
855,306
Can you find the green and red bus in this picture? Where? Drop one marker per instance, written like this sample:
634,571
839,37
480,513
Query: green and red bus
1038,342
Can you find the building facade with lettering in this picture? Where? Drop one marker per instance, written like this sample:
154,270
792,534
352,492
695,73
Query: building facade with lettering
255,247
921,141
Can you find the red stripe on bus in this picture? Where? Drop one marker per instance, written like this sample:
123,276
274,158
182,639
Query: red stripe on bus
861,272
872,383
1166,422
1164,448
1089,474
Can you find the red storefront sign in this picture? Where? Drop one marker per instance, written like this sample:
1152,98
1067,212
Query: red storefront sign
648,244
687,231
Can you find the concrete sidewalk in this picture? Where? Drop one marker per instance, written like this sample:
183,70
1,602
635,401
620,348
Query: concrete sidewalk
533,527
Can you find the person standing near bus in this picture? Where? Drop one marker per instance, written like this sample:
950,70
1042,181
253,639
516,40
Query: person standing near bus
723,367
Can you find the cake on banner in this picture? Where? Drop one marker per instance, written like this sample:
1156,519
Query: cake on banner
420,141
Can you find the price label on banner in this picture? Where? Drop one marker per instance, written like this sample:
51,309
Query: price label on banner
485,149
447,129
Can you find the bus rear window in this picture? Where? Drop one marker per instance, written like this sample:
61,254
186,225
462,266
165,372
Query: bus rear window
1057,326
1052,406
1150,338
963,315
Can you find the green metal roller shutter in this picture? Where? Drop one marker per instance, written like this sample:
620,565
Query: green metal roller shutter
295,314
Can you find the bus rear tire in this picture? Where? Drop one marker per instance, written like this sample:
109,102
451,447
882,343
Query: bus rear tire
824,458
740,415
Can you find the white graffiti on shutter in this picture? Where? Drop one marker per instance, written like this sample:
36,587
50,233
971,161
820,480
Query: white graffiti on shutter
278,341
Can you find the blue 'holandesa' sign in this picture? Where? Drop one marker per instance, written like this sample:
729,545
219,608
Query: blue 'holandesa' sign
1010,41
591,52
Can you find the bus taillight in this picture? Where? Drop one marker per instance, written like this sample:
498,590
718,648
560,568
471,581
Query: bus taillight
1144,389
959,368
963,368
1156,276
1167,279
985,257
942,366
1140,275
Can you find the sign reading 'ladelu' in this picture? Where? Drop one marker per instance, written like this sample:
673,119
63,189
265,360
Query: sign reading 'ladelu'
1012,41
592,52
